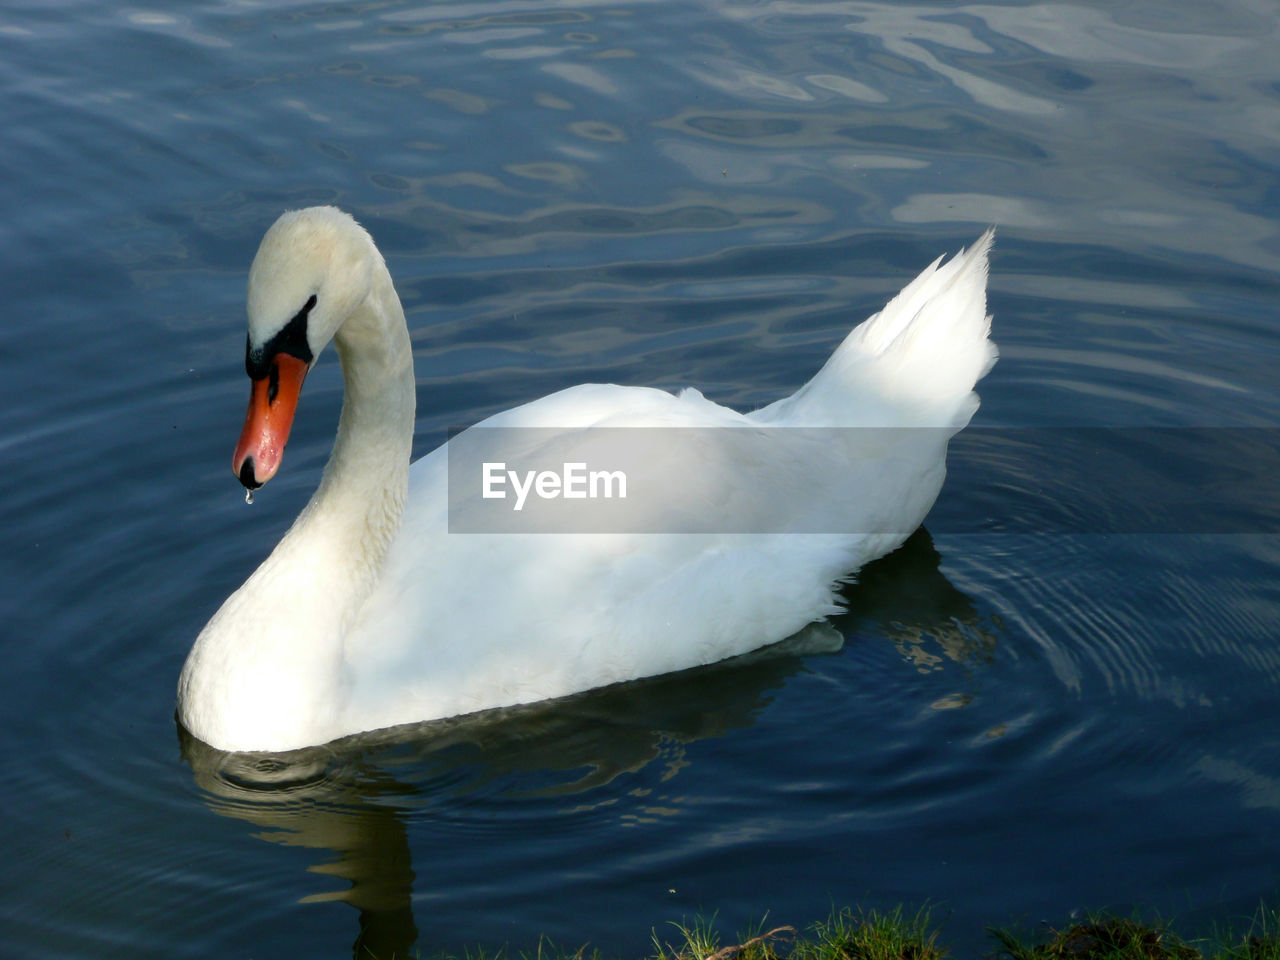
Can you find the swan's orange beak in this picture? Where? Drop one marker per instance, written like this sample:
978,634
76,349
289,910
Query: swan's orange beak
272,403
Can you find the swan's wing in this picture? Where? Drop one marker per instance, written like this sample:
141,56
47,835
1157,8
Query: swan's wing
478,620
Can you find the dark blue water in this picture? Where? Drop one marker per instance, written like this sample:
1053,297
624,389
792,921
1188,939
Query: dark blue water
1019,724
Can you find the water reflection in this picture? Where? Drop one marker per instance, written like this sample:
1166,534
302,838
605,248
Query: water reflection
325,799
907,599
354,800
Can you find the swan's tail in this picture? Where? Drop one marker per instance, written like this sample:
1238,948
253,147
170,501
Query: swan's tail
917,360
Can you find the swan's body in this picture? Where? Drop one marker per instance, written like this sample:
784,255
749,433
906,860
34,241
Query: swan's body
370,613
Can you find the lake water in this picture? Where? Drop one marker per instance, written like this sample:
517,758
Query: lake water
1028,717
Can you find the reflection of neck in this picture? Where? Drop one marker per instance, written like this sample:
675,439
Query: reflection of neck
380,871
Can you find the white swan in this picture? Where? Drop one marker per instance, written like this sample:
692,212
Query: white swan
370,613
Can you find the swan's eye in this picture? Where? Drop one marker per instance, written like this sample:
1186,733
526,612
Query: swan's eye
292,339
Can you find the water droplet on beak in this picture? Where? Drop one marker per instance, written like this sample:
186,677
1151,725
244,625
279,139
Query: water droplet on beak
248,496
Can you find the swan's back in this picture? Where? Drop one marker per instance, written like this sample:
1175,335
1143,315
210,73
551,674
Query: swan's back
790,498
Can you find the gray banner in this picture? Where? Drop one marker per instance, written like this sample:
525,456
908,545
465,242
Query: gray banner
864,480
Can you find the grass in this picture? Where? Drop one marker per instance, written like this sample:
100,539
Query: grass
897,935
844,936
1101,938
869,935
1261,941
1104,937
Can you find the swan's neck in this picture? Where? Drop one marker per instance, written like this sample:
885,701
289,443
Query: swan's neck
269,669
356,511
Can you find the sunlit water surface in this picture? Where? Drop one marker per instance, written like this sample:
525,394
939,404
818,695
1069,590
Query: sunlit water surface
1019,724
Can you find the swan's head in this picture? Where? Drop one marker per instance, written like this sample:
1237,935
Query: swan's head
313,269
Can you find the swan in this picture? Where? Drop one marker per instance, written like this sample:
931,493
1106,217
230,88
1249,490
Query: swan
373,612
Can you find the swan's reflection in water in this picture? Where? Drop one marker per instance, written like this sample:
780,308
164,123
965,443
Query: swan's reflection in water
906,598
353,798
325,799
